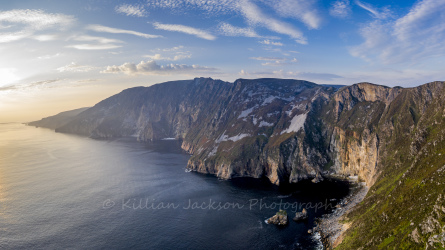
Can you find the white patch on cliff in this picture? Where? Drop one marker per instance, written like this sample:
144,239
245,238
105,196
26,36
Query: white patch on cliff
265,124
272,114
299,106
296,124
238,137
223,137
271,98
246,112
213,152
255,121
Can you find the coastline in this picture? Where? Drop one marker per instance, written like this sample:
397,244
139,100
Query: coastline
329,226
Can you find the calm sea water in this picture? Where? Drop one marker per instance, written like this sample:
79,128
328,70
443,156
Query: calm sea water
62,191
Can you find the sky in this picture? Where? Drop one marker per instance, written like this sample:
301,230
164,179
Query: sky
62,55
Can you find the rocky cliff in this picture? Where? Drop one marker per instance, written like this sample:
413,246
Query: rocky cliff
288,130
246,128
57,121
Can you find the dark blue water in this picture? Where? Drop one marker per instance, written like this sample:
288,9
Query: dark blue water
64,191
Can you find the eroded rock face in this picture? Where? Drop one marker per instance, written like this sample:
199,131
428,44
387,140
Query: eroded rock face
285,130
247,128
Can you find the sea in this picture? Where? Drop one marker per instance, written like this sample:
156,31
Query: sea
61,191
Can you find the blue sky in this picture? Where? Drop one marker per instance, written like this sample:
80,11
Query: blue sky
58,55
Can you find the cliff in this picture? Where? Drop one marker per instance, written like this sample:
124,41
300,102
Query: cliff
288,130
59,120
246,128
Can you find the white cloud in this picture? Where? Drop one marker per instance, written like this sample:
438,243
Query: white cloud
299,9
36,19
185,29
269,42
303,10
98,39
310,76
260,58
14,36
45,57
74,67
25,23
255,16
45,38
174,48
177,57
100,28
93,46
102,43
275,61
230,30
340,9
152,68
131,10
413,38
211,7
379,14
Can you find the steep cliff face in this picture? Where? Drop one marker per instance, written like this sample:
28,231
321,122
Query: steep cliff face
403,208
246,128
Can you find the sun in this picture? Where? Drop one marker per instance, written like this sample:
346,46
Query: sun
8,76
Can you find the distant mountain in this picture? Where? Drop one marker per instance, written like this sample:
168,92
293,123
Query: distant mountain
58,120
288,130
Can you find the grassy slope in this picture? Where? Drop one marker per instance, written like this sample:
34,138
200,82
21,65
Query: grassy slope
411,179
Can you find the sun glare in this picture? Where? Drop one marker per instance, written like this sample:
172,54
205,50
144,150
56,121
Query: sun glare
8,76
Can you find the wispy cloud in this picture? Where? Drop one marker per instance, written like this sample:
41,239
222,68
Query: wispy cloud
104,40
152,68
212,7
131,10
275,61
376,13
45,57
173,49
27,22
100,28
311,76
303,10
74,67
169,54
230,30
46,37
340,9
31,85
36,19
255,16
93,46
410,39
101,43
185,29
177,57
269,42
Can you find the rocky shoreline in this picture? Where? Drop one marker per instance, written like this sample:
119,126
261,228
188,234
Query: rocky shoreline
329,226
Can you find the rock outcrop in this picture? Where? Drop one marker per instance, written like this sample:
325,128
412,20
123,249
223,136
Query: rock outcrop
301,216
280,218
